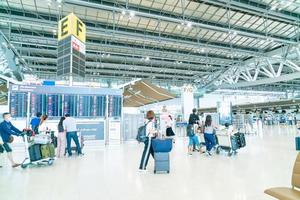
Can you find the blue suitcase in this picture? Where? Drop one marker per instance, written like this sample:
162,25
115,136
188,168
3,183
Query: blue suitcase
162,162
162,145
297,141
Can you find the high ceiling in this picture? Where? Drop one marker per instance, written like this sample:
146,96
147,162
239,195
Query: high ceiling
208,43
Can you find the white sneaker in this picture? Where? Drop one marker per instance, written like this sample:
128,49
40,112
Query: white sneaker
143,170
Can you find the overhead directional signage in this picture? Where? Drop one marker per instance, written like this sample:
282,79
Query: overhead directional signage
71,25
71,46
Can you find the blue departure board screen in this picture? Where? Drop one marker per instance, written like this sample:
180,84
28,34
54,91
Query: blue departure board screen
56,105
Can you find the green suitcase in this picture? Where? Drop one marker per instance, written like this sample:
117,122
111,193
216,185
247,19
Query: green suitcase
45,151
48,151
51,150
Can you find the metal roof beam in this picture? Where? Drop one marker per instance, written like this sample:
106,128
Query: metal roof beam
93,32
255,8
32,40
282,78
175,20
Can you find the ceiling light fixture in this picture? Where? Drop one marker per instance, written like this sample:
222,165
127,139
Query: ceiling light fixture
189,24
132,14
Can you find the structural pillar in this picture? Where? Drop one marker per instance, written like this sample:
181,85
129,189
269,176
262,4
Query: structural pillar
187,101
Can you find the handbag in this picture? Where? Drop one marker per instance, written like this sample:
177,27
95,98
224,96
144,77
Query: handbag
170,132
11,139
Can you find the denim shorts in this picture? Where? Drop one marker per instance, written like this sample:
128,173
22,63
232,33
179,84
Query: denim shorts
5,147
193,140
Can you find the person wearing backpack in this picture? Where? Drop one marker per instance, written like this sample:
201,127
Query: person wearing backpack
209,134
150,133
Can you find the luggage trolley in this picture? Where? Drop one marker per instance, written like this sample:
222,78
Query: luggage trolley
231,143
227,143
28,139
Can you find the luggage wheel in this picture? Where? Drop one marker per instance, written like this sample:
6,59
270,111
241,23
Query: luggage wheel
24,166
50,162
218,150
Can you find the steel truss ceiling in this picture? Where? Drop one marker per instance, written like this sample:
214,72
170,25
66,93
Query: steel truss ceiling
207,43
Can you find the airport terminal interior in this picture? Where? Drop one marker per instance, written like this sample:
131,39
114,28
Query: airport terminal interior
149,99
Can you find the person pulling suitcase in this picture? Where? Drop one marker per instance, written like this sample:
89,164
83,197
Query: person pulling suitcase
150,134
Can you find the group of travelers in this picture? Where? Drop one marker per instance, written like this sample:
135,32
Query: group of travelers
67,131
208,128
195,125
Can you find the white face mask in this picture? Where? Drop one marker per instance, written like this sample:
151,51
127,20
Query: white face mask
8,119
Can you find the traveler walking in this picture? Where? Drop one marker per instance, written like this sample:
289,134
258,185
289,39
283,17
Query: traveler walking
209,134
6,132
151,133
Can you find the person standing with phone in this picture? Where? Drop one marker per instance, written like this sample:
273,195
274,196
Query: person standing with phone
151,133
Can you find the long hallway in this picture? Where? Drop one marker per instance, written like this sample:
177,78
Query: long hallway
112,173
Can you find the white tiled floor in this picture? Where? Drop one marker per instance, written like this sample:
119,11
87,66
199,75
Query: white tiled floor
111,174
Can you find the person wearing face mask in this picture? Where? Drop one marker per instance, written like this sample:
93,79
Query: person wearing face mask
6,132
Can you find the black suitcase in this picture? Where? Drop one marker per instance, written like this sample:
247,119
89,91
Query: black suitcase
241,139
234,143
35,152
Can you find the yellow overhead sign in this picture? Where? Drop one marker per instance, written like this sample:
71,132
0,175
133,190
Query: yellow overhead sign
71,25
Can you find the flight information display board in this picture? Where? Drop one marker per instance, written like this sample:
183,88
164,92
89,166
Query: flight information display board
18,104
114,106
57,101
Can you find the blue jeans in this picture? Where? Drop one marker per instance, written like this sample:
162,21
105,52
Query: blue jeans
194,141
210,141
73,135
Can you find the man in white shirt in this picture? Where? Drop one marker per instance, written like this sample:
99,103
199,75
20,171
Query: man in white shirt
71,132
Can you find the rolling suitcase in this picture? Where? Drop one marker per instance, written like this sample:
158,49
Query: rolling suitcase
241,139
35,152
162,162
48,151
234,143
161,148
162,145
297,141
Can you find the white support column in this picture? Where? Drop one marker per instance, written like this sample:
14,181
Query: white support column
187,100
28,110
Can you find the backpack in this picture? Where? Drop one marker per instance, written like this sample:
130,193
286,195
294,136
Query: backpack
142,135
